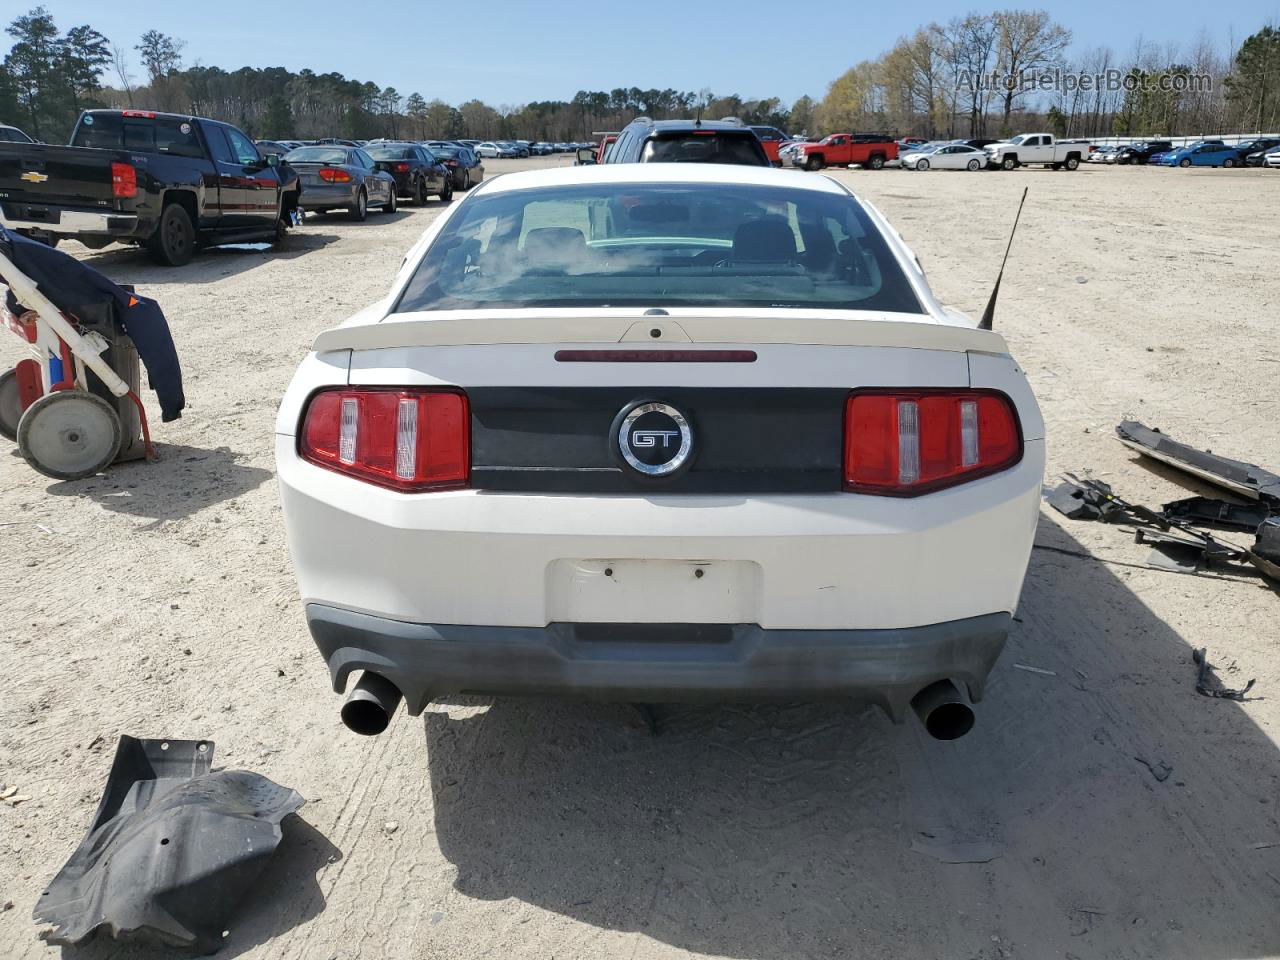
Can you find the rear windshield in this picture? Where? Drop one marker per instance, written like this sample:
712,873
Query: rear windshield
114,131
390,153
445,151
660,245
317,155
705,147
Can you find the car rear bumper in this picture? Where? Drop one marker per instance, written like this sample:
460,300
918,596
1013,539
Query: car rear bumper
678,662
64,221
322,198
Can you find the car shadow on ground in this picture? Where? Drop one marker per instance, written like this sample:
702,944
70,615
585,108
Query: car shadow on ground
184,481
1119,812
131,265
286,895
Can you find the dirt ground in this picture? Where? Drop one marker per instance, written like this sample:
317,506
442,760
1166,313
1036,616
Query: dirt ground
1125,816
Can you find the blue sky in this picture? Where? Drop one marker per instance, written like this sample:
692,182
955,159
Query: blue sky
503,51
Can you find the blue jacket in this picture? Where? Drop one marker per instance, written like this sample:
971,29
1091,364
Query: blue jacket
73,287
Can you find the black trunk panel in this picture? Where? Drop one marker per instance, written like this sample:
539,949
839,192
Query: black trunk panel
746,440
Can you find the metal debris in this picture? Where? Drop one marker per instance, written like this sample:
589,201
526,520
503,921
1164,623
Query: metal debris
1207,683
1160,770
1179,546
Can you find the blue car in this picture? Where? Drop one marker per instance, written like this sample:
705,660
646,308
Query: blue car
1203,153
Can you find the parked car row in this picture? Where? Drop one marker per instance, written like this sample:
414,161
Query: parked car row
173,183
1210,152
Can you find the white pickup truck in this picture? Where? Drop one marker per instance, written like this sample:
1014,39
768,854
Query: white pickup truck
1039,148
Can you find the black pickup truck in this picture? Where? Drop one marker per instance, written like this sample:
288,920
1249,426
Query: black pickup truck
167,182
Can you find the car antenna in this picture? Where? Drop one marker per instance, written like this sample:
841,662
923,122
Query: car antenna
989,313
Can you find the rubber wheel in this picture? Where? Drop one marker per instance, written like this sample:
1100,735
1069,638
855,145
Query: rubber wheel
1184,162
974,165
446,193
466,180
390,205
1009,163
69,435
1228,163
876,163
813,163
1072,163
10,405
922,164
174,242
361,210
420,194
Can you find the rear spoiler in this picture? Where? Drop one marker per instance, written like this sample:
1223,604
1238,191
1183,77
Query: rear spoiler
439,330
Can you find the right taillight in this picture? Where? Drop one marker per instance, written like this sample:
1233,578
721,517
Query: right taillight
124,181
408,439
902,443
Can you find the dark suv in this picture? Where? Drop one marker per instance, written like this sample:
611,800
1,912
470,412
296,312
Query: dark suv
687,141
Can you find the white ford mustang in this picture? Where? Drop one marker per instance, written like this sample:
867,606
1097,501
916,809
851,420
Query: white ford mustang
661,432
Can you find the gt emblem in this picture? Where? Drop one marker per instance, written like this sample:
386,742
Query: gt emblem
35,176
650,438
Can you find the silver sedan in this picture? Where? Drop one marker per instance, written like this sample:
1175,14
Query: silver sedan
341,177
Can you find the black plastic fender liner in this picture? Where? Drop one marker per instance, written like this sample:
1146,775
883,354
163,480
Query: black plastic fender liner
172,850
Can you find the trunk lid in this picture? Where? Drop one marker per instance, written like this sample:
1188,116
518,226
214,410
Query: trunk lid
766,406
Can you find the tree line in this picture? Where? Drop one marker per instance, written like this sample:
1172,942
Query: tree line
929,83
937,82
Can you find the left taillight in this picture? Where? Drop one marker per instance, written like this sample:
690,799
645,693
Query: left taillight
410,439
902,443
124,181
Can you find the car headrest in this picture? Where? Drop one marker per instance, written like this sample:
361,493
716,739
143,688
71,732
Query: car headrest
769,239
555,244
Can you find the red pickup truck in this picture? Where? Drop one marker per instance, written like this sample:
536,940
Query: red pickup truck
871,150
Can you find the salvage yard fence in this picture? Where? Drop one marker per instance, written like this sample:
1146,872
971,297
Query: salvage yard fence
1227,138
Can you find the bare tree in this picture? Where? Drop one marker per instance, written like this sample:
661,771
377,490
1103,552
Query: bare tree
122,71
972,42
1028,40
